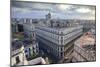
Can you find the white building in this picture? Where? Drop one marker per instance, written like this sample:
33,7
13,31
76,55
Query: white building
38,60
31,48
17,54
29,30
21,52
30,42
55,40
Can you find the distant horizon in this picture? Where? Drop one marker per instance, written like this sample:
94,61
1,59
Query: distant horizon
51,19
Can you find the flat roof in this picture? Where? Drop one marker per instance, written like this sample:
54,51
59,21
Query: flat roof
62,28
87,41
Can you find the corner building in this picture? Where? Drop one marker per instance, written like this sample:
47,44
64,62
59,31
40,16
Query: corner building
55,40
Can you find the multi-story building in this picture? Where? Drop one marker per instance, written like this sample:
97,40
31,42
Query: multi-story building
31,48
17,24
29,30
55,40
17,54
84,48
30,51
54,37
21,51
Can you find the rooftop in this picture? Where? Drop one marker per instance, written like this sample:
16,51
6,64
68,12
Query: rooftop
27,42
58,29
16,45
37,61
86,42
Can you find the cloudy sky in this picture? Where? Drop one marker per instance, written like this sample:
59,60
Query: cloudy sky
60,11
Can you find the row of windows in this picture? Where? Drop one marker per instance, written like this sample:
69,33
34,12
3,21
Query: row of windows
71,38
53,48
50,30
47,42
29,50
53,35
51,45
58,32
48,35
24,20
71,34
73,31
57,39
28,27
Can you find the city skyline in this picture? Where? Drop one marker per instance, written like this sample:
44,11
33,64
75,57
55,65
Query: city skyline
51,33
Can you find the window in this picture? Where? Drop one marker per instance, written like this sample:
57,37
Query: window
29,51
20,28
26,56
61,40
25,51
61,33
61,54
58,48
33,48
17,60
61,48
36,46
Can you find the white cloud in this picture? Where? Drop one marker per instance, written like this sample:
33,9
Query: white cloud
23,10
64,7
63,11
83,10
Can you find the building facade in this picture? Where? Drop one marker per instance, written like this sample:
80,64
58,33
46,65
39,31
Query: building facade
18,54
55,40
31,48
23,51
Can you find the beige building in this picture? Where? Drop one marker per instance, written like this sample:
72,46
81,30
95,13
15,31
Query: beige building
84,48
